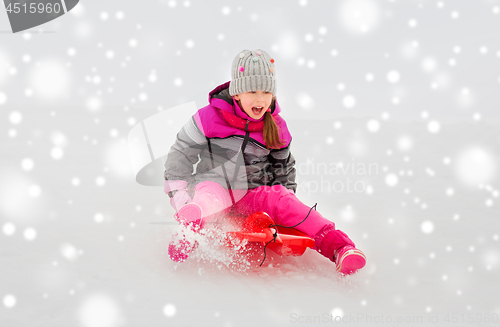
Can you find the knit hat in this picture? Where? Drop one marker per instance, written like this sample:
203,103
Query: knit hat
252,71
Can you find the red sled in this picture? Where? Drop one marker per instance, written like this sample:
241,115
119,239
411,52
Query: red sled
260,228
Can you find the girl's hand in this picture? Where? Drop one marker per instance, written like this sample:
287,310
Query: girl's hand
180,198
172,186
177,192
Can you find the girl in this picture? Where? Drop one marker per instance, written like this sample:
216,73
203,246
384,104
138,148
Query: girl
241,149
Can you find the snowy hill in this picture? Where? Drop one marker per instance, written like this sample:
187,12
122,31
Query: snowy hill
393,110
99,253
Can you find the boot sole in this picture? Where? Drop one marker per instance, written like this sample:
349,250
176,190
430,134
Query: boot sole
351,261
187,212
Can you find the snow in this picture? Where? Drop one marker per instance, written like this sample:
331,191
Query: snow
30,234
27,164
94,104
391,179
393,76
120,15
427,227
475,165
169,310
100,181
100,310
57,153
349,101
104,15
394,115
124,267
9,301
429,64
50,79
305,101
359,16
9,229
433,126
98,217
15,117
3,98
110,54
373,125
34,191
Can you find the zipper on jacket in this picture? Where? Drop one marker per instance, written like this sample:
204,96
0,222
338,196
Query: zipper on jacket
243,146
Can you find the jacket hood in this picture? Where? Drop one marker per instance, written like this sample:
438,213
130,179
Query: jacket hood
220,98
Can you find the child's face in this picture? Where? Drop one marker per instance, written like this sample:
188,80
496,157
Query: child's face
253,100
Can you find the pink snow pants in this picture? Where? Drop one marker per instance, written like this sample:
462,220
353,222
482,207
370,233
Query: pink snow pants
281,204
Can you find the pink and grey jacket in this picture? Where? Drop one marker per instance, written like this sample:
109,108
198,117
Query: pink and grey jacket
221,143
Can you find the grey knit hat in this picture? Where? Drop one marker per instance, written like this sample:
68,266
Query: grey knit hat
252,71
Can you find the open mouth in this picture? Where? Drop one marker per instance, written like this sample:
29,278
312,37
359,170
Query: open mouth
257,110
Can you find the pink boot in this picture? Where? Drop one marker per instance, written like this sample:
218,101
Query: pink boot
348,259
339,248
190,215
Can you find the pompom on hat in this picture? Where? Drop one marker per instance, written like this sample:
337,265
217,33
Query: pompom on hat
252,71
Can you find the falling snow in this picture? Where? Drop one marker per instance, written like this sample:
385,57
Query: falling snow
9,301
99,310
393,112
169,310
9,229
29,234
3,98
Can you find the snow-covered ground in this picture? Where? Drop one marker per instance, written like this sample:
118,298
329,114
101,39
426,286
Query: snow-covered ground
393,110
98,257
